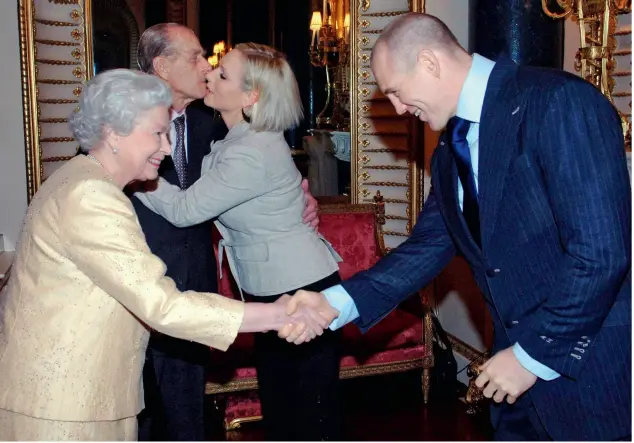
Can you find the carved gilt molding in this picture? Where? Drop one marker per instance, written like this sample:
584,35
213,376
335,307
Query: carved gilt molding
384,145
54,37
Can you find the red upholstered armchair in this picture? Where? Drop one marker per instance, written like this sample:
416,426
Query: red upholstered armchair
400,342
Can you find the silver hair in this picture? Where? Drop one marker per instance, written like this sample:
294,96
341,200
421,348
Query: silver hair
155,42
114,100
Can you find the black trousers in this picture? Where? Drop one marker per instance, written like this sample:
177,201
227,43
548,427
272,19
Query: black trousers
174,383
299,384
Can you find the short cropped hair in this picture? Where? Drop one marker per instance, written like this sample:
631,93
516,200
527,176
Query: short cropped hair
279,106
155,42
114,99
409,33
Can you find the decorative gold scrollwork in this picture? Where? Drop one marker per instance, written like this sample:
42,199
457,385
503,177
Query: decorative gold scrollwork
76,34
56,101
365,5
365,92
78,72
77,91
76,53
365,57
365,75
56,43
54,22
365,142
365,176
365,40
75,15
364,159
57,62
57,140
364,23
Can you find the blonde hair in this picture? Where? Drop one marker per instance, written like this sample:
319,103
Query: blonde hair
267,72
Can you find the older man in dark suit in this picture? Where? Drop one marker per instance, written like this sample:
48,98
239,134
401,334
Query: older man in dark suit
174,375
530,185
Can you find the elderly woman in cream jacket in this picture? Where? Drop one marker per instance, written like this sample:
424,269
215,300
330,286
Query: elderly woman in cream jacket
85,288
251,185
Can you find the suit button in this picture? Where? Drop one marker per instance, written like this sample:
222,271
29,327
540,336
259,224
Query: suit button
492,272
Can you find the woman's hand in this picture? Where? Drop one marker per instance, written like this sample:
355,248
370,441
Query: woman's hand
304,324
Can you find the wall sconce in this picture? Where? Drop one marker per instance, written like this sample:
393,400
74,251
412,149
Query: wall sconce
220,50
329,49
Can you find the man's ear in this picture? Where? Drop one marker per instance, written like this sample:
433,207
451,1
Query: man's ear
428,62
160,67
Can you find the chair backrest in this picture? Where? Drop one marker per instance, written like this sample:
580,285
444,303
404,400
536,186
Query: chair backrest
354,230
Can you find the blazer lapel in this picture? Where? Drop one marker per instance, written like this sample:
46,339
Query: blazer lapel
195,146
448,189
502,115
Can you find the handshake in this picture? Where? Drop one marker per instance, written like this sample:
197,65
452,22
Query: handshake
306,315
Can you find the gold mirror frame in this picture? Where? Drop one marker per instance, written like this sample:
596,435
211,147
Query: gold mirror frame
54,35
56,59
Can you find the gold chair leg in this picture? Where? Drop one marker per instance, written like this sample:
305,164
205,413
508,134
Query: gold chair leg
426,384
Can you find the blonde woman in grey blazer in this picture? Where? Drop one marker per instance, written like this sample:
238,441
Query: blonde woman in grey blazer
251,185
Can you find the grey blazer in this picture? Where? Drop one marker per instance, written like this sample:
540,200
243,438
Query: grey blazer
250,183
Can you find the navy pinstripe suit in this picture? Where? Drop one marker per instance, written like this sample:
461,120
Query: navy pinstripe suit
555,262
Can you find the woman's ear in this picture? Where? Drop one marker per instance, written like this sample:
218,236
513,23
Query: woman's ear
250,98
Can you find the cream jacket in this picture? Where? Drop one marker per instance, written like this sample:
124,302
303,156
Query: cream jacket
83,291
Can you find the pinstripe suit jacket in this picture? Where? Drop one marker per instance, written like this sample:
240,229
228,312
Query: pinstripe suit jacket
555,262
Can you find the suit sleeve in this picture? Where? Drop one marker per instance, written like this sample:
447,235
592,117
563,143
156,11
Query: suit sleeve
105,242
238,177
405,270
582,156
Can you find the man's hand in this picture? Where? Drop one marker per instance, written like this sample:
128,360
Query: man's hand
504,376
316,302
310,216
302,324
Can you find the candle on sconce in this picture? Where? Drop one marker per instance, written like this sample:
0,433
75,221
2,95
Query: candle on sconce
315,25
346,26
325,13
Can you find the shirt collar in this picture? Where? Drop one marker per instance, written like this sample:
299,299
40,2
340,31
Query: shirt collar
471,98
174,115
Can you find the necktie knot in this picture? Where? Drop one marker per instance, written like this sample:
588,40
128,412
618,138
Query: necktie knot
458,128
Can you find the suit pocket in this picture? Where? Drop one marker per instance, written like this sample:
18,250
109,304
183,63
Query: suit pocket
258,252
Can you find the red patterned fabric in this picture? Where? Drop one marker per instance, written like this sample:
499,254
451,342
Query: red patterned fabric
353,236
242,404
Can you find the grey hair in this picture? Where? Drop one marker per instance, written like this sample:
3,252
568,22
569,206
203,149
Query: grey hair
155,42
408,34
279,106
114,100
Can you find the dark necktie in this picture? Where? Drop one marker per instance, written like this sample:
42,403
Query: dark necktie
457,129
178,156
